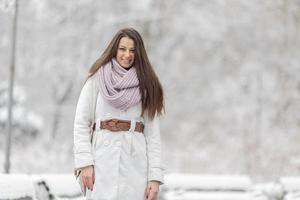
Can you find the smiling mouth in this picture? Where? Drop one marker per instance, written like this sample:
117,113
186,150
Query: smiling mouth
126,61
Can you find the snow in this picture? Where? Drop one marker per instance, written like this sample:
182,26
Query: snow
272,190
176,187
207,187
39,186
229,69
208,196
208,182
23,118
290,183
13,186
63,185
292,196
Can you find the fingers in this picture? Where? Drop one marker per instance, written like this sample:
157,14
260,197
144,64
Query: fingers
152,194
88,182
84,181
150,197
87,178
147,190
93,177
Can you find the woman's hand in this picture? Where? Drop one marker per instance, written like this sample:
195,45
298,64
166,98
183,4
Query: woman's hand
152,190
87,176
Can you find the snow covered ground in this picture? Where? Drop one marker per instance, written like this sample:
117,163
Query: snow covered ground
176,187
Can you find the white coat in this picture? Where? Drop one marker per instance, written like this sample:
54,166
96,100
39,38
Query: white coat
123,161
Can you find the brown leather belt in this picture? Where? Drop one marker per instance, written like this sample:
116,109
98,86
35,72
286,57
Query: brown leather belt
120,125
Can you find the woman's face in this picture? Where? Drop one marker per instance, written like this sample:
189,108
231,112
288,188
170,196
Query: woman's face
125,52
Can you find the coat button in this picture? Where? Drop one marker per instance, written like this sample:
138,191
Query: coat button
118,143
106,143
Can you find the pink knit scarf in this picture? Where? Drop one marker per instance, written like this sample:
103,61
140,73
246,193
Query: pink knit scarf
119,87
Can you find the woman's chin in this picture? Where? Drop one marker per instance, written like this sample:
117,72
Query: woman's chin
126,66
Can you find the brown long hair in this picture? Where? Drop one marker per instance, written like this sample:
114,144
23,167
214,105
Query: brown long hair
150,87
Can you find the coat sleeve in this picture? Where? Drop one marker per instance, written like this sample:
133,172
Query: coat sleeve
82,125
154,153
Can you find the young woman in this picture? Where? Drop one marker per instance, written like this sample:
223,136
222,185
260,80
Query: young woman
122,100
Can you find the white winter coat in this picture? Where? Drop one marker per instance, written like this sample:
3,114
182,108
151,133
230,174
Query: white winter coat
123,161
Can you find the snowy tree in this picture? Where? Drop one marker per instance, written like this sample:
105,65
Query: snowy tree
229,70
26,124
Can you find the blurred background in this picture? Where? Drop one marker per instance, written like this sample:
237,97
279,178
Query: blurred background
230,70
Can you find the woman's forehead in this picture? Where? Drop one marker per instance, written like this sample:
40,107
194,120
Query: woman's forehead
127,42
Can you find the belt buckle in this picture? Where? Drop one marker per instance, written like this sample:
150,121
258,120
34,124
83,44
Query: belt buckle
112,123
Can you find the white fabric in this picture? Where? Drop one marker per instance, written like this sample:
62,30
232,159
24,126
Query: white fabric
132,125
123,161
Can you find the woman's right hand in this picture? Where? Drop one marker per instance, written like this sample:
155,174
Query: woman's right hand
88,176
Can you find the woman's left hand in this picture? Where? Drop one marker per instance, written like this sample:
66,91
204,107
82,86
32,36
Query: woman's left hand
152,190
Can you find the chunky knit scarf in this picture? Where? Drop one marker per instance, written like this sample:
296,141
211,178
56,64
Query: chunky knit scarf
118,86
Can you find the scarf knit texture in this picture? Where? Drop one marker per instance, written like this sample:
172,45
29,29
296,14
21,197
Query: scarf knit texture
118,86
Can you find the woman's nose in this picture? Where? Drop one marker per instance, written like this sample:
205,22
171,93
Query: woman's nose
127,54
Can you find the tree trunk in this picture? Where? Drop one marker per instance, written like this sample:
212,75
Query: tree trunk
11,87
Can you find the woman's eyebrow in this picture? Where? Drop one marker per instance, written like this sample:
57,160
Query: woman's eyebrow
126,47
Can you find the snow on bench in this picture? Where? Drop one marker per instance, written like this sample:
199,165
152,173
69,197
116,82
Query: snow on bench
16,186
290,184
39,187
176,187
267,191
59,185
208,182
206,187
291,187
